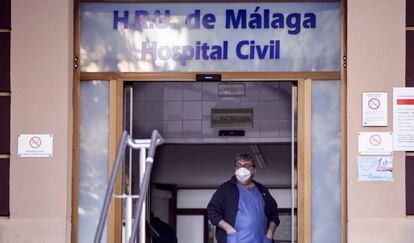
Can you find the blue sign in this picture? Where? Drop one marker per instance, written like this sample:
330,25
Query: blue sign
135,37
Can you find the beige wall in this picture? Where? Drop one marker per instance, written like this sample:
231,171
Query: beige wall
376,62
41,103
41,77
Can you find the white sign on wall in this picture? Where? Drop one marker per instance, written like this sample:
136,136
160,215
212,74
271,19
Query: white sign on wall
374,109
403,119
35,145
375,143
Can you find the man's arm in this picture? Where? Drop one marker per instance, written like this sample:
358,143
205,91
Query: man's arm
227,227
215,207
271,230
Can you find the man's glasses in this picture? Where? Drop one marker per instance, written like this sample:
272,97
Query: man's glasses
246,166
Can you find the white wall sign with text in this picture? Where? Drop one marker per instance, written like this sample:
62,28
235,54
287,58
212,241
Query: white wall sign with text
375,143
403,119
374,109
35,145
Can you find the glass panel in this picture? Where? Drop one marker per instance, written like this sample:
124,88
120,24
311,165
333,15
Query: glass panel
191,37
93,149
190,228
326,162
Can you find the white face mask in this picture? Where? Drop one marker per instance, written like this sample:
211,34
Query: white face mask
243,174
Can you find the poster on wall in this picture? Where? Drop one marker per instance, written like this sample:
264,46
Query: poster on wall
375,143
403,119
375,168
374,109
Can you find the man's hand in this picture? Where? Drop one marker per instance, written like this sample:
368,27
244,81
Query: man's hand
271,230
226,227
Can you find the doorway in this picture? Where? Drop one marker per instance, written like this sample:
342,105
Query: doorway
205,125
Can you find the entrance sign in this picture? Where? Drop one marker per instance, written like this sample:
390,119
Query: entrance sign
136,37
374,109
403,119
35,145
375,143
378,168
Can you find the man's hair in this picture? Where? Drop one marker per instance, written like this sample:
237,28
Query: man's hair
244,157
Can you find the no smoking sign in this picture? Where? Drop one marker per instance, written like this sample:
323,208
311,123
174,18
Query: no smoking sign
375,143
374,109
35,145
374,103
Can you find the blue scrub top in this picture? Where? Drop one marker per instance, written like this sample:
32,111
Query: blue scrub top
251,221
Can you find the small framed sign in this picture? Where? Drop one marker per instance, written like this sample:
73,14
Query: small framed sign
35,145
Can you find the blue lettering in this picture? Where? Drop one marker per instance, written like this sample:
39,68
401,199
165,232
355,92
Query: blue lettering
293,23
141,18
164,52
165,23
187,54
118,19
309,21
208,21
278,21
255,21
147,49
239,50
233,21
192,21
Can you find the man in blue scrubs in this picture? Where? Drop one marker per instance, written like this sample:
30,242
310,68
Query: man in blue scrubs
242,209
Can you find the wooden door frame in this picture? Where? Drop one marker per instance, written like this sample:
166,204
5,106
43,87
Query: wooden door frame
304,186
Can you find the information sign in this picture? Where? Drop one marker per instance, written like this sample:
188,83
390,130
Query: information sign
35,145
374,109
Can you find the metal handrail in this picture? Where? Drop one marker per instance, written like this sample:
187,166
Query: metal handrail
156,139
145,181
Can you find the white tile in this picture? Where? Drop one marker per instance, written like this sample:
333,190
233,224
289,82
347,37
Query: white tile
148,91
285,128
269,110
210,91
253,132
148,110
252,91
207,105
191,129
173,129
269,91
173,110
207,130
230,104
269,129
285,104
192,91
192,110
173,91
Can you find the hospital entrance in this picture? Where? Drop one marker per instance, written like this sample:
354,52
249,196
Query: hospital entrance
204,126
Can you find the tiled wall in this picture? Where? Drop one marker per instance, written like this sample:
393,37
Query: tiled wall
182,110
409,79
5,98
